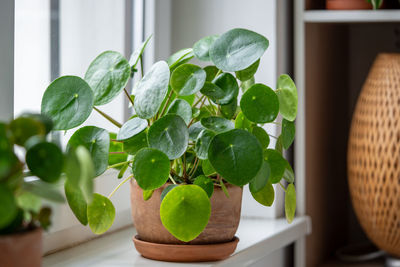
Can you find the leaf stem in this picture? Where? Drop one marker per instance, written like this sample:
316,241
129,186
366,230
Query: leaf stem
184,168
198,101
196,164
120,184
116,152
118,164
141,65
172,179
119,125
284,189
273,136
218,73
166,103
128,96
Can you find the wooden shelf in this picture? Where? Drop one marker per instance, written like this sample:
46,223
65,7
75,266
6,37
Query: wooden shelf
351,16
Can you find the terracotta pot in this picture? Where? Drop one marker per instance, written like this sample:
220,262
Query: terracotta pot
373,157
222,226
347,4
21,249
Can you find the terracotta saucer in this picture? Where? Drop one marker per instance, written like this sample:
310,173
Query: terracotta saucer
185,253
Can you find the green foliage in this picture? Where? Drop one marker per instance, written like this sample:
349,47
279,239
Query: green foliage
287,94
290,202
187,79
206,183
265,196
100,214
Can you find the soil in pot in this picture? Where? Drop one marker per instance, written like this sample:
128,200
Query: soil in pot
21,249
347,4
221,228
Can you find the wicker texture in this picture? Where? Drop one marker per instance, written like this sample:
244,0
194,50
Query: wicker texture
374,154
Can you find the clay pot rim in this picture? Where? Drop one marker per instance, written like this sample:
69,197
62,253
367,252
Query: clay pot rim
136,239
215,186
22,233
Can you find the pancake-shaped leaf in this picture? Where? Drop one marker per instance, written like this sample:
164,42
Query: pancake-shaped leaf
8,207
287,94
265,196
202,143
261,135
206,183
147,194
290,202
247,84
116,147
211,72
97,142
150,168
228,111
68,101
45,160
207,168
170,135
100,214
236,155
288,174
241,122
212,91
217,124
107,75
194,130
237,49
185,211
288,133
229,86
182,108
261,179
23,128
247,73
187,79
166,190
80,171
260,104
180,57
76,202
201,48
131,128
134,144
44,190
134,59
277,164
152,90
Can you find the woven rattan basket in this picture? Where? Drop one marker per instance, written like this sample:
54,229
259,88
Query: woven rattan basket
374,154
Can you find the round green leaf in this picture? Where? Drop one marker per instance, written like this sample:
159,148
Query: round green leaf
212,91
248,73
8,207
147,194
45,160
228,111
131,128
203,142
194,130
150,168
185,211
201,48
116,147
236,155
76,201
170,135
260,104
187,79
134,144
217,124
180,57
97,142
206,183
182,108
287,94
68,101
241,122
261,135
152,90
134,59
261,179
23,128
288,133
277,164
265,196
207,168
100,214
211,72
237,49
166,190
290,202
229,86
107,75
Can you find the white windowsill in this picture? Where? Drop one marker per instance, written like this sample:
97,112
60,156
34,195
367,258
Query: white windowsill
258,237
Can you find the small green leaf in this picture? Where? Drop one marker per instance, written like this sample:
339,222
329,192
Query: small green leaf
185,211
207,168
123,170
131,128
206,183
134,144
211,72
44,217
150,168
229,86
277,164
287,94
290,202
147,194
288,133
278,145
107,75
224,189
8,207
241,122
68,101
194,130
203,142
166,190
288,174
181,108
228,111
101,214
187,79
217,124
213,91
137,54
248,73
261,135
237,49
76,201
260,104
265,196
170,135
23,128
201,48
29,202
44,190
261,179
116,147
180,57
152,90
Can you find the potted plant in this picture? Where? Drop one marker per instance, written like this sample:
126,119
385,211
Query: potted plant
191,144
28,174
353,4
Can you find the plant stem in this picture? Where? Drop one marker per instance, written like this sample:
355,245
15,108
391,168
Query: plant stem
119,125
284,189
172,179
129,97
120,184
276,123
218,73
184,167
273,136
116,152
196,164
198,101
119,164
141,65
166,103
